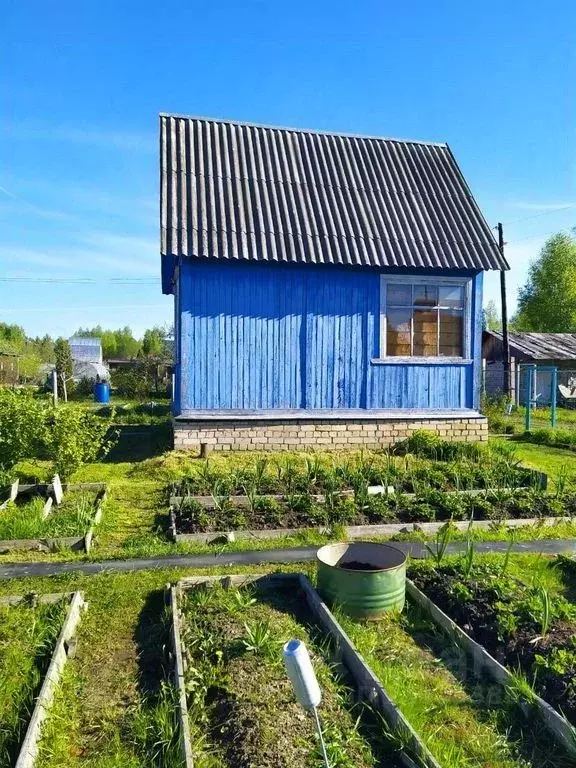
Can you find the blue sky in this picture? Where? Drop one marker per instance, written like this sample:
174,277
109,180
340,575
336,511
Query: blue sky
83,82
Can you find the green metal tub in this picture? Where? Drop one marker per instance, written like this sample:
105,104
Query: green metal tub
363,578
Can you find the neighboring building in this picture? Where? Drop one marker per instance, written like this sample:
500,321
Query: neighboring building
87,359
544,350
328,288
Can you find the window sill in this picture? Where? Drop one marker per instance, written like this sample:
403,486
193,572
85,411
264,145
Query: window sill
420,361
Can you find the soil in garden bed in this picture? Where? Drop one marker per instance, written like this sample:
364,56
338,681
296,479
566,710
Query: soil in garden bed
522,626
23,520
302,511
239,690
27,638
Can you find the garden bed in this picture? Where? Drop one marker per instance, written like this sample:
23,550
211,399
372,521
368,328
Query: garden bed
376,494
205,520
228,636
452,705
49,517
36,636
509,626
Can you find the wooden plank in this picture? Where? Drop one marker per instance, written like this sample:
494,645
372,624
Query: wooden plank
240,500
43,488
180,681
369,687
43,545
34,599
57,489
29,750
355,531
47,507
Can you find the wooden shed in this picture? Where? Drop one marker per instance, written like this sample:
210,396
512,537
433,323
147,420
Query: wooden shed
327,287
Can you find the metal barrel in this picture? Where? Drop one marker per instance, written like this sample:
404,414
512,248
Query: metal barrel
362,592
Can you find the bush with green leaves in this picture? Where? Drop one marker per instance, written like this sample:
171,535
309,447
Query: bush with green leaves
33,429
76,436
23,429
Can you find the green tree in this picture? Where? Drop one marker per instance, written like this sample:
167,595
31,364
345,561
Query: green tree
118,343
547,302
153,342
63,356
492,321
13,335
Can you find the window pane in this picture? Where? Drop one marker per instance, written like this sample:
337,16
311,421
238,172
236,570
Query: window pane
426,295
451,333
398,332
452,296
425,333
398,295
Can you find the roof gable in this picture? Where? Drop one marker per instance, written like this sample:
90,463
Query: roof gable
246,192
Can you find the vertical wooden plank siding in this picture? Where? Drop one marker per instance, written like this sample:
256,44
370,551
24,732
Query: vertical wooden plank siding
261,336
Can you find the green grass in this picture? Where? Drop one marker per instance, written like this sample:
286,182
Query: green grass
540,417
71,518
135,520
111,707
27,638
553,461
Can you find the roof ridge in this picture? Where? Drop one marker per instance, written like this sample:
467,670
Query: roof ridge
290,129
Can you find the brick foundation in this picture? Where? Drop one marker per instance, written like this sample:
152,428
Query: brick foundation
320,434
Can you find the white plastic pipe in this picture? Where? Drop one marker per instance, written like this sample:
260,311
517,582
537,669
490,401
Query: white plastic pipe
301,673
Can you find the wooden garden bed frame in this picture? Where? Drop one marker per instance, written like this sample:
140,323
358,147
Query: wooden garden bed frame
64,649
557,725
55,492
368,687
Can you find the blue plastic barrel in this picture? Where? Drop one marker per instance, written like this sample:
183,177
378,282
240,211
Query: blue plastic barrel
102,392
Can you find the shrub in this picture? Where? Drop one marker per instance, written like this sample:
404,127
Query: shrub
428,445
84,388
75,436
22,426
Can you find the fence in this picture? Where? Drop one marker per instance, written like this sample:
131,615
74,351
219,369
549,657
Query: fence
540,396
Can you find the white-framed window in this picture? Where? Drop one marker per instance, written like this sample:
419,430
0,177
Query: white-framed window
425,317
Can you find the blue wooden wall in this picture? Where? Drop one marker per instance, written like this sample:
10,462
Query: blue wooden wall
265,336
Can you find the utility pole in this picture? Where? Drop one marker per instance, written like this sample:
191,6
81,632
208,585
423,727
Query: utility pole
505,346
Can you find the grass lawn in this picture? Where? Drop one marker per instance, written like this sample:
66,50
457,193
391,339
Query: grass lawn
71,518
459,717
540,418
553,461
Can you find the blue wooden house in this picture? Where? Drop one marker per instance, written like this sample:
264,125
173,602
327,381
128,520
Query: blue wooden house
327,287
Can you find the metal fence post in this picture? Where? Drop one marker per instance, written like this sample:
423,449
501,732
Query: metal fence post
554,385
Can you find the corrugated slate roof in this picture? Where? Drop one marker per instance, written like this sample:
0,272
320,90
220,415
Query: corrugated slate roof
248,192
541,346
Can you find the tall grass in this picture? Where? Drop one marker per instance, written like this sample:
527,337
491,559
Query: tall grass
24,521
27,637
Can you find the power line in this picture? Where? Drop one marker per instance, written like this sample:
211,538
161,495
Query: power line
542,213
84,280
